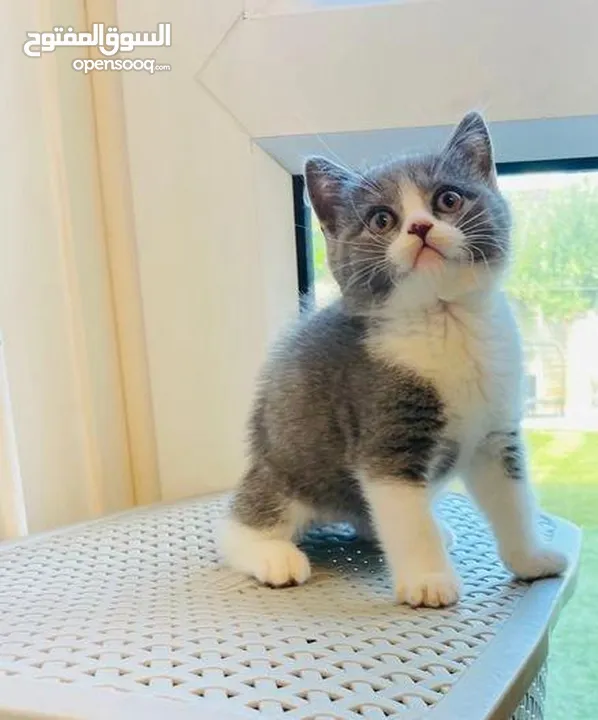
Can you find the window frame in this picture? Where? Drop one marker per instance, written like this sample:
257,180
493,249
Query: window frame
303,244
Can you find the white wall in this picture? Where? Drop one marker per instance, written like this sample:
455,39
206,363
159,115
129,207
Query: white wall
216,251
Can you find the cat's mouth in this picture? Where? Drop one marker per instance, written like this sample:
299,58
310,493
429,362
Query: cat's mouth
428,256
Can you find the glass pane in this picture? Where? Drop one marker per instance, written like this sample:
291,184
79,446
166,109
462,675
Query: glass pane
554,287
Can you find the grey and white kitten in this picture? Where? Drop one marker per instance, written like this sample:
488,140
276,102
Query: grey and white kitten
370,405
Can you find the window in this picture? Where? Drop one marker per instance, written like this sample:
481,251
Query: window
554,288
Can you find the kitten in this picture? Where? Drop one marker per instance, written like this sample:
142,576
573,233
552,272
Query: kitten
371,404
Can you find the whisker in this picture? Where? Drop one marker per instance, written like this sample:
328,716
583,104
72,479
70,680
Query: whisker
367,243
359,262
469,219
497,242
356,278
367,272
471,265
379,268
488,240
483,255
470,257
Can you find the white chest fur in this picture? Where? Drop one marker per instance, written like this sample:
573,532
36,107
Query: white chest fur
470,354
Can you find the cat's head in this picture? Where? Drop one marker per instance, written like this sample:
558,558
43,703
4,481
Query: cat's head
417,230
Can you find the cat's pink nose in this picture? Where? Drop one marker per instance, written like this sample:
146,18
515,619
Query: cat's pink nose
421,229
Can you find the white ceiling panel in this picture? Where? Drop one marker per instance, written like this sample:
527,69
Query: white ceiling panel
413,64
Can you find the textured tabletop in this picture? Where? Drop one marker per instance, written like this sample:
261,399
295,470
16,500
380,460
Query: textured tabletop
132,616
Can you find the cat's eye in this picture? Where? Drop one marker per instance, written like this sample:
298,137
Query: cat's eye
448,201
381,220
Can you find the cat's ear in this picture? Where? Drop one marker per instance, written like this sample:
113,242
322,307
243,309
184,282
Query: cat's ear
326,183
470,145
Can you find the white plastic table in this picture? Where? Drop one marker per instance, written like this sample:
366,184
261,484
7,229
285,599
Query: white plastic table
132,617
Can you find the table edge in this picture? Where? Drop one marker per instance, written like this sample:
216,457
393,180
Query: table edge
497,681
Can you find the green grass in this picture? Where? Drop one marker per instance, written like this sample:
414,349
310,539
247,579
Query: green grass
565,473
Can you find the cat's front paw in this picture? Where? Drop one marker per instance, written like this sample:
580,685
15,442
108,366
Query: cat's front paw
540,562
437,589
280,563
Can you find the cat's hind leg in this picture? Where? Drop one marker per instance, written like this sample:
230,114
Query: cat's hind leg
257,536
498,481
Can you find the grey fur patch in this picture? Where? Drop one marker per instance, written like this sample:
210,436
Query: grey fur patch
513,456
327,409
509,448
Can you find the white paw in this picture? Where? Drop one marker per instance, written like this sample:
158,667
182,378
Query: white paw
429,589
280,563
539,563
272,561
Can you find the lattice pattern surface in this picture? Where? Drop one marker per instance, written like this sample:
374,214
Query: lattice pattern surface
532,705
139,604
